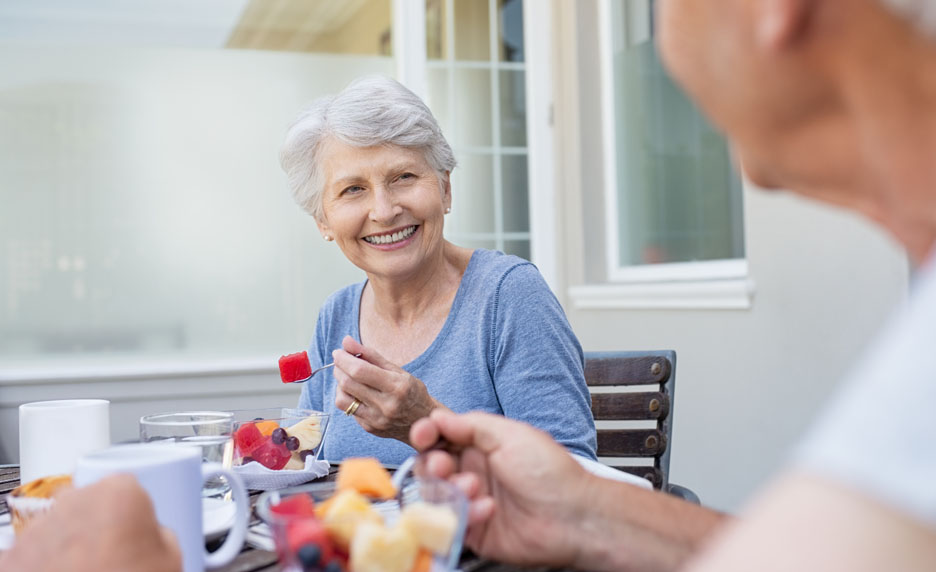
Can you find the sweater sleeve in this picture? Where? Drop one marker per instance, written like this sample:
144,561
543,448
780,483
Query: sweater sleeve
537,362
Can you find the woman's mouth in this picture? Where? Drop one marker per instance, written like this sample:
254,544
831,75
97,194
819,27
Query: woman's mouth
391,238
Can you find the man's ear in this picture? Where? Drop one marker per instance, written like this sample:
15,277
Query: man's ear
780,23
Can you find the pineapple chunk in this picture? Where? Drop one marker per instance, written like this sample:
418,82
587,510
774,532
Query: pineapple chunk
432,525
345,512
376,548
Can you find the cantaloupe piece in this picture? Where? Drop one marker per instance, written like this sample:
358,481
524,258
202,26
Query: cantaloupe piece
266,428
423,561
367,476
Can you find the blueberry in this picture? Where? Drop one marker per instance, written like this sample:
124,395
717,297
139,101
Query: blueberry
292,443
310,555
304,453
258,418
333,566
246,460
278,436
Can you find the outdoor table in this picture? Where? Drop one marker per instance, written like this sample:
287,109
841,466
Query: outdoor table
254,560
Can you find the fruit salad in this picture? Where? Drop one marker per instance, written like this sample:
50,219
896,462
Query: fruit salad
278,443
355,524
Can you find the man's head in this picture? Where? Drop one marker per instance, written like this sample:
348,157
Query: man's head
814,94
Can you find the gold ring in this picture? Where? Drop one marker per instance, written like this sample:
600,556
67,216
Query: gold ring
352,408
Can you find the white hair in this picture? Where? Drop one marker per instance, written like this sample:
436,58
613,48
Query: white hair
920,13
370,111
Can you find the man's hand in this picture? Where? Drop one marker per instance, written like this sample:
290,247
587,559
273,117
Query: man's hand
110,525
525,489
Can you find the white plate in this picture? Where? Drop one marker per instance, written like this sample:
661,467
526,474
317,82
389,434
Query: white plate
218,519
6,532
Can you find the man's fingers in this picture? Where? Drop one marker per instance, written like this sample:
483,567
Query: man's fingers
172,547
480,510
423,433
479,430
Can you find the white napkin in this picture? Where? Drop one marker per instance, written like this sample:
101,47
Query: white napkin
259,478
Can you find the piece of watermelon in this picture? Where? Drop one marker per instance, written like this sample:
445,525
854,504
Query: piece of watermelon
295,367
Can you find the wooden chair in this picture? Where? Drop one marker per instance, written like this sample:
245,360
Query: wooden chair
638,388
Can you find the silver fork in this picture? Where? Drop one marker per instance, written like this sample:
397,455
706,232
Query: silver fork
315,371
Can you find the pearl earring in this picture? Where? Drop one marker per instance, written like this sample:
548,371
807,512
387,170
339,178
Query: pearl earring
327,237
448,210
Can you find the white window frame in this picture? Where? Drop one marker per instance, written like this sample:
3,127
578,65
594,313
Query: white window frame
710,284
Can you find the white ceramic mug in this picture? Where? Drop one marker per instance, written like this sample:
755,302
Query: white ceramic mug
54,434
173,477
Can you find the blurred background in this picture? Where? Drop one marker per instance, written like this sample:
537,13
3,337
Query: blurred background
150,253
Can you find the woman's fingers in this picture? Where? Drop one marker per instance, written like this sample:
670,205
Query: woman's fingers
368,354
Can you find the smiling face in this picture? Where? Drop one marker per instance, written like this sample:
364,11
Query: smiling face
384,206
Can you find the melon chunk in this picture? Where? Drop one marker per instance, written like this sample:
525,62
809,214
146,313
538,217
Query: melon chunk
367,476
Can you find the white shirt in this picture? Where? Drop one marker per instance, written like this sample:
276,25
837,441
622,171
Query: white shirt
879,435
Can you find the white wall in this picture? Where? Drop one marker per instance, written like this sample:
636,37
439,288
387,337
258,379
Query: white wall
747,381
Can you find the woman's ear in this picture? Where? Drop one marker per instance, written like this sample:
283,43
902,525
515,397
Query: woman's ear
446,191
780,23
324,229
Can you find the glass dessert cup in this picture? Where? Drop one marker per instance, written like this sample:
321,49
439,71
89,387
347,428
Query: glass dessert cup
278,438
337,536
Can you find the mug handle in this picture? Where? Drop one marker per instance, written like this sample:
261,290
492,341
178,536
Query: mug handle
235,538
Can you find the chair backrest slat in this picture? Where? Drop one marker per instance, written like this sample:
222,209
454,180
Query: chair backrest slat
631,442
637,370
655,369
630,406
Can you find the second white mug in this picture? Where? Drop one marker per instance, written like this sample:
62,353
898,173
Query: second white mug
54,434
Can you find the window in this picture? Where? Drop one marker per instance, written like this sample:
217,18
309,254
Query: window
476,79
674,199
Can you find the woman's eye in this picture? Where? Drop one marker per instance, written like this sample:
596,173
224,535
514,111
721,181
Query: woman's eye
353,189
405,176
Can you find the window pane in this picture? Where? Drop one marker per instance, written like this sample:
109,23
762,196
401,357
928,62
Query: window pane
472,30
513,108
519,248
472,195
323,26
515,195
436,36
473,108
679,197
510,22
144,211
437,98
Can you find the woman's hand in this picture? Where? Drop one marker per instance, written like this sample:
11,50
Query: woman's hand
391,399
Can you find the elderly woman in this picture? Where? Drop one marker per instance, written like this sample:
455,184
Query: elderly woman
434,325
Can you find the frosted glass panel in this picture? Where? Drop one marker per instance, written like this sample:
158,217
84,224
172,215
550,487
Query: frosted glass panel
144,210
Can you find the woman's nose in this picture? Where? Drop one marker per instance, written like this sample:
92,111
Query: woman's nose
384,207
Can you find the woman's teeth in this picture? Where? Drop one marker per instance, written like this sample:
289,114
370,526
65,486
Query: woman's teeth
391,238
